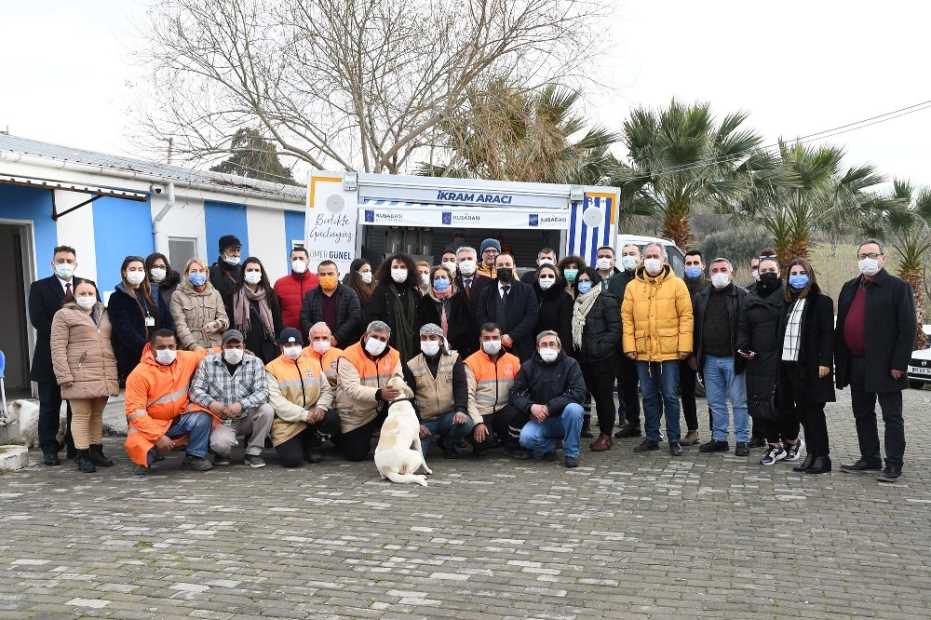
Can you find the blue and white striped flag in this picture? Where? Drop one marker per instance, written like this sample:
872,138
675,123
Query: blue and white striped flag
592,224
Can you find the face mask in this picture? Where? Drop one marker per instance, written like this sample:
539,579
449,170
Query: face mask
545,261
450,266
491,347
165,357
374,346
549,355
505,274
653,266
86,301
197,278
425,279
399,275
366,276
158,274
135,278
298,266
629,262
604,264
798,281
769,281
441,285
570,274
755,274
252,277
868,266
231,260
692,272
328,283
321,346
233,356
546,283
64,270
292,352
467,267
585,286
430,347
720,280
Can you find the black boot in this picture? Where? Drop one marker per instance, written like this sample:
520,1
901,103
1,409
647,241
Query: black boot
83,460
821,465
50,456
586,425
98,457
807,463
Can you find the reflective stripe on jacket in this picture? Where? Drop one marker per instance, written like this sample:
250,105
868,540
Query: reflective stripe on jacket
489,382
359,377
295,387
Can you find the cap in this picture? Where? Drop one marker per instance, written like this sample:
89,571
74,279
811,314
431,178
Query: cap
232,334
290,335
489,243
229,241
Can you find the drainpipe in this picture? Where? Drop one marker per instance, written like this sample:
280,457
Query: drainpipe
158,228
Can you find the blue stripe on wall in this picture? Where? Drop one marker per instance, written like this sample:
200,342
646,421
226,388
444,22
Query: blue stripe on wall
293,230
224,218
121,228
35,205
607,224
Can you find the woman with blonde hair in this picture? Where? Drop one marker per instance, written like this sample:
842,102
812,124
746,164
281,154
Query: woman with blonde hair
197,309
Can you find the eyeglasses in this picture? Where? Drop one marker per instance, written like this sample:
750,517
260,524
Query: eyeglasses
873,255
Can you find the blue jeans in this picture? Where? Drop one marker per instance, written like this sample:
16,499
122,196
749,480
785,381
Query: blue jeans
540,438
197,427
722,385
443,426
660,380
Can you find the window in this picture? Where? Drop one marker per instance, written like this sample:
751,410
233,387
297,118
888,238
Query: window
180,251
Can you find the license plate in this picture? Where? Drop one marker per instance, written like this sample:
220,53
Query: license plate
917,370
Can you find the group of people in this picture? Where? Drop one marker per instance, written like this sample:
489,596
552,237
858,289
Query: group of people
216,354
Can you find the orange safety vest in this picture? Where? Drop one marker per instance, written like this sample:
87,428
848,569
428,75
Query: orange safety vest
327,361
355,412
490,382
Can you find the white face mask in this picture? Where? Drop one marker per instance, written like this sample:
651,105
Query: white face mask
399,275
425,279
869,266
430,347
653,266
548,355
604,264
374,346
755,274
467,267
233,356
491,347
86,301
298,265
158,274
366,276
135,278
292,352
629,262
252,277
321,346
165,357
546,283
450,267
64,270
545,261
231,260
720,280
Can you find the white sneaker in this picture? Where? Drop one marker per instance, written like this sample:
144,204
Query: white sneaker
773,455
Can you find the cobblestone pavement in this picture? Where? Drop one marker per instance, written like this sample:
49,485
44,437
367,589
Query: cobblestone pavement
622,536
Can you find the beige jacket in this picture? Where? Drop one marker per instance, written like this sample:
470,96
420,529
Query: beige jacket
358,379
82,355
200,318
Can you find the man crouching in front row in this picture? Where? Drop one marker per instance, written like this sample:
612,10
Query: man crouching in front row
159,415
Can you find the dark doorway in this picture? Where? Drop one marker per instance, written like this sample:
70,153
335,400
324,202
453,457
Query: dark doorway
14,329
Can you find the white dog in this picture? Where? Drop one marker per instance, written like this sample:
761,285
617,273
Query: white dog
22,423
398,455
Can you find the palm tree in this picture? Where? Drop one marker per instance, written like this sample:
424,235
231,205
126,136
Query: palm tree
507,134
904,219
682,158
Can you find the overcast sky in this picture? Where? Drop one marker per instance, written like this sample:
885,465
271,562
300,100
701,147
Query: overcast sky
797,67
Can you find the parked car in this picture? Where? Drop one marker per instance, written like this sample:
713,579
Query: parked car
919,367
676,256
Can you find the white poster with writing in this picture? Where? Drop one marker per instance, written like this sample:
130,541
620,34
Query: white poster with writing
330,223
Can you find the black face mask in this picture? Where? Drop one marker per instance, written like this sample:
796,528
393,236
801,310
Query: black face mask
768,283
505,275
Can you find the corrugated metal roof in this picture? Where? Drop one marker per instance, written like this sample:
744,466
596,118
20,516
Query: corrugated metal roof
167,172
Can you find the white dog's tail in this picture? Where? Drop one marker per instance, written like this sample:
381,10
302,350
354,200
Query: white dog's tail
406,478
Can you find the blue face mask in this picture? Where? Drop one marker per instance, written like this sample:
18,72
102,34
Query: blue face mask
584,286
441,285
692,272
798,281
197,278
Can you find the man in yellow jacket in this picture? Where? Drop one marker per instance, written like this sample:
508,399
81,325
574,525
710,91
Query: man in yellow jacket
657,321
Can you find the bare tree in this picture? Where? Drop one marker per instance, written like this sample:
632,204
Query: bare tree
357,84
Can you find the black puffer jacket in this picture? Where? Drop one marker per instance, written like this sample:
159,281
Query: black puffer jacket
760,329
554,311
555,385
602,330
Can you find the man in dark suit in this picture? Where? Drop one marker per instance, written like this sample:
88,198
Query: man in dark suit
471,283
628,410
873,361
512,305
46,297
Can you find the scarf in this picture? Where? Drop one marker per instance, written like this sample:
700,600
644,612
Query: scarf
403,308
241,310
581,308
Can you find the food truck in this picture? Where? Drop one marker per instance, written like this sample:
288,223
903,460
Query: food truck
372,216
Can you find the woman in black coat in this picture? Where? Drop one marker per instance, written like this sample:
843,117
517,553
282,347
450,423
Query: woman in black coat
163,280
256,311
595,330
806,374
446,306
554,304
134,313
394,302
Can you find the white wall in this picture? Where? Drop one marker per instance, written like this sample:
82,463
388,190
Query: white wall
77,230
185,219
267,239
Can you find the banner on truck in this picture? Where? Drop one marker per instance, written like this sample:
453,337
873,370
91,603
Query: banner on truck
401,213
330,222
